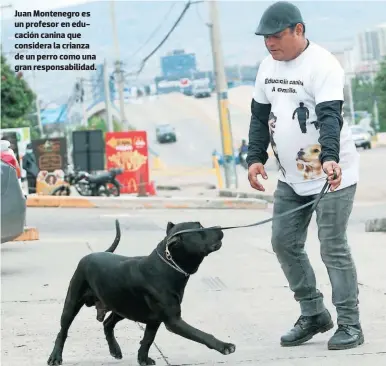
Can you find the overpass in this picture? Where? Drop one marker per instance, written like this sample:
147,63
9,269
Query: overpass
99,108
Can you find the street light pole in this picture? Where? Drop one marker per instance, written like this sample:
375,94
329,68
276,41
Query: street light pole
37,102
110,125
222,97
118,66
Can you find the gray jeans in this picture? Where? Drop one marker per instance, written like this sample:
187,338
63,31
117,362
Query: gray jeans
288,239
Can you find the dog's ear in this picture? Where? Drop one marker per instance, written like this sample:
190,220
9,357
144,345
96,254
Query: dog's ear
169,227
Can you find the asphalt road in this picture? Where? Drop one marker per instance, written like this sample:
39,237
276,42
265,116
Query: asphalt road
196,123
239,294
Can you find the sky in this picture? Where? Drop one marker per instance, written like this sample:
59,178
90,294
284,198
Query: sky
240,45
26,5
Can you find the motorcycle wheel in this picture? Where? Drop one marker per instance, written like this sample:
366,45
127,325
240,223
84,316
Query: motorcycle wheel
114,189
61,191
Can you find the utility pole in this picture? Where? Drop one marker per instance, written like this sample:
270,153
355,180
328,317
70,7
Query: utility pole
349,73
37,103
118,67
110,125
82,95
222,97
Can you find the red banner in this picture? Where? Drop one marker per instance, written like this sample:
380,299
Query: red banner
129,151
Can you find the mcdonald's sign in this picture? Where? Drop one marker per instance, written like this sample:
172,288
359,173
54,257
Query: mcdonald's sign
129,151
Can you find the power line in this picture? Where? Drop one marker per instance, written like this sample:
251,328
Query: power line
143,62
154,31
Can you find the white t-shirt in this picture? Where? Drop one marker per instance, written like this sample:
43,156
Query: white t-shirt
294,88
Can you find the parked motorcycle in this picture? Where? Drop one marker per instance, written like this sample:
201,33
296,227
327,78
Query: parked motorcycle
102,184
243,160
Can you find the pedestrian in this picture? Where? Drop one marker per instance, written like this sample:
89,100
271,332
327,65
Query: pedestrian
298,72
31,168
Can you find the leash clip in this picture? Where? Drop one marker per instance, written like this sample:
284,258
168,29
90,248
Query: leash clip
167,254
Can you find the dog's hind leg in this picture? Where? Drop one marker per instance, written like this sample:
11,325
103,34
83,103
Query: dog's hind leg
108,326
73,303
147,340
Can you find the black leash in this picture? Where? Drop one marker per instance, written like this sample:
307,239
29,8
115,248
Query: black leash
314,202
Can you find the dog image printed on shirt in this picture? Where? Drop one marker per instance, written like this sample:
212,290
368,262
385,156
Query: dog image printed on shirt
308,163
272,125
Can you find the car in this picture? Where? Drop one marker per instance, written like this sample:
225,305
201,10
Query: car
13,199
202,91
361,137
166,133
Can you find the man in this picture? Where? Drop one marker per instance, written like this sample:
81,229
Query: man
299,71
31,168
243,147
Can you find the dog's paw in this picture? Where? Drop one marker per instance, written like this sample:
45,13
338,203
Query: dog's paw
227,348
115,350
55,359
144,361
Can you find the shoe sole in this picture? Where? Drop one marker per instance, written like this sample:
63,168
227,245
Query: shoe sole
300,341
360,341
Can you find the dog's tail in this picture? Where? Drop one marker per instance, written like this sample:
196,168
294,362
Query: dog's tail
113,246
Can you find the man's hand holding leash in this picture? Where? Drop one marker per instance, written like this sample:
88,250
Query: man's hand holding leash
334,174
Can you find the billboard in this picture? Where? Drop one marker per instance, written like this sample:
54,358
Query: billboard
129,151
184,83
51,157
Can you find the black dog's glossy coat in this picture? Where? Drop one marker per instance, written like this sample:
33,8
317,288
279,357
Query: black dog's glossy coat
143,289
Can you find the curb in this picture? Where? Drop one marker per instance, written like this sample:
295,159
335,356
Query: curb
146,202
376,225
182,186
30,233
237,194
59,201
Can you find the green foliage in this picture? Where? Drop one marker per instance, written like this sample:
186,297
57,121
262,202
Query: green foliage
363,94
17,99
98,123
380,90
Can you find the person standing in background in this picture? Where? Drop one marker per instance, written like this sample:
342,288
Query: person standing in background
31,168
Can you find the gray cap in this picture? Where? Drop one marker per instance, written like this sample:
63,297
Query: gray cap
278,17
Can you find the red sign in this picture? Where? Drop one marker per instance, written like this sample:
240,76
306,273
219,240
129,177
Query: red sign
185,82
129,151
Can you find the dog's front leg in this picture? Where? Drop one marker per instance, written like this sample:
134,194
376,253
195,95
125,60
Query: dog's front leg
147,340
180,327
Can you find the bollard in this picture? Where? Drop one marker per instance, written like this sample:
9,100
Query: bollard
157,163
141,187
218,172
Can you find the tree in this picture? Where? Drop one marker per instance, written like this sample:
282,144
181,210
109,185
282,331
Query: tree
17,98
362,92
380,91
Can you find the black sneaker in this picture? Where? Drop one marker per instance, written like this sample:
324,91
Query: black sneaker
346,337
306,327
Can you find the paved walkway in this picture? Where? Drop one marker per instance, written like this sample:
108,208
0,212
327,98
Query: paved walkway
239,294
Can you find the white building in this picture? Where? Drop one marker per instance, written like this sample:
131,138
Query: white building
381,30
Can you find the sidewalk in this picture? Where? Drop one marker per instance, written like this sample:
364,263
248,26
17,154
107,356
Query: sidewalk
239,295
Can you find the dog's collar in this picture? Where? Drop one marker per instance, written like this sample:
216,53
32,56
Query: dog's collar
170,262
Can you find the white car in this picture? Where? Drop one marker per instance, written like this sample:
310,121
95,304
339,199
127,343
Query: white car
361,137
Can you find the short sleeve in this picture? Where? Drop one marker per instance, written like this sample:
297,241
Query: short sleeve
258,92
328,82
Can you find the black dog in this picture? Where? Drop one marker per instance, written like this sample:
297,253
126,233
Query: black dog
147,289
